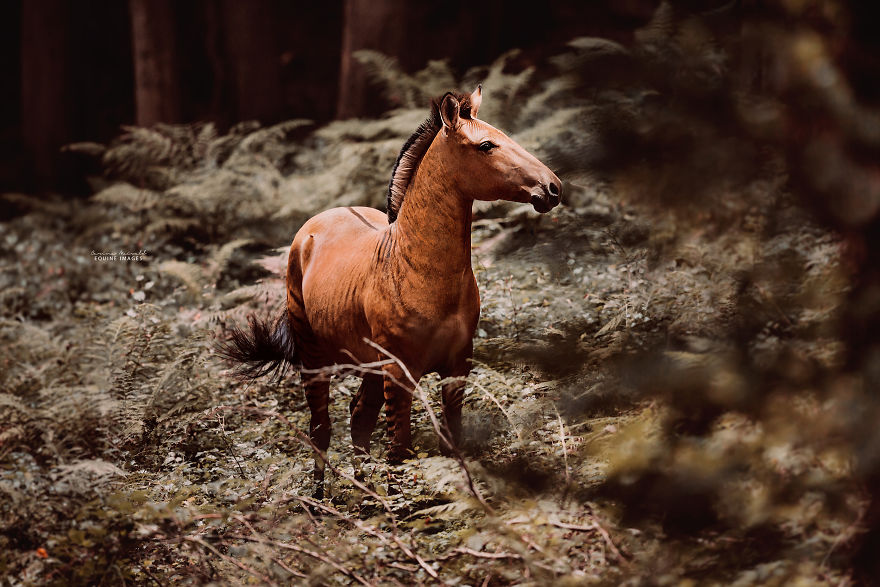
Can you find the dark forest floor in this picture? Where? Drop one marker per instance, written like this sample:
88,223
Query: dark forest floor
658,393
128,454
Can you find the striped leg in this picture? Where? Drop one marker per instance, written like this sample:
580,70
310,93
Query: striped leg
365,408
398,405
453,398
317,396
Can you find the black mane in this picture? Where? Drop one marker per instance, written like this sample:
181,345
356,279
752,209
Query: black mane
415,148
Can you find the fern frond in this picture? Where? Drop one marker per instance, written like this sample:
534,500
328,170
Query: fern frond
403,90
192,276
127,196
218,260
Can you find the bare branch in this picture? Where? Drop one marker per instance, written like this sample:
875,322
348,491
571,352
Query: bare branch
316,555
230,559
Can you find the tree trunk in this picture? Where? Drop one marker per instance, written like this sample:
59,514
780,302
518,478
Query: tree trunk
380,25
254,58
45,84
155,66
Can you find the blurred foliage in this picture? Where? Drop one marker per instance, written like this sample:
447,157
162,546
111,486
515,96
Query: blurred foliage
675,374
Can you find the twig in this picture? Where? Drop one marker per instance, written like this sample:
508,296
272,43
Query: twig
293,572
598,528
311,517
491,555
420,393
844,536
364,528
229,446
564,448
337,367
496,556
418,559
250,527
500,407
150,575
230,559
333,511
317,555
306,440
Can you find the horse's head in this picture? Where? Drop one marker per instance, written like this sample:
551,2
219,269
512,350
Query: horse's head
489,164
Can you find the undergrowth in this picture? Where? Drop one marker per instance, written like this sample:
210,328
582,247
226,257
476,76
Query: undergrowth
661,392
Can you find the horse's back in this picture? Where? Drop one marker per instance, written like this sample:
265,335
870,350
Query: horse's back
338,233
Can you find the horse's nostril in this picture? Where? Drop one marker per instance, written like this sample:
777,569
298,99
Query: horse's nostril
553,188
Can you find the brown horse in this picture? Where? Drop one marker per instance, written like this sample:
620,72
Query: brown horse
403,280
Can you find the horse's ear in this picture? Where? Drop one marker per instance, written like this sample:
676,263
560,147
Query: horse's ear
476,100
449,109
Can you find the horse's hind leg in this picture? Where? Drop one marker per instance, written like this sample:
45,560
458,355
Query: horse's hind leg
365,408
317,396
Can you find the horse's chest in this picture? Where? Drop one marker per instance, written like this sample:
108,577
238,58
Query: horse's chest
456,333
445,338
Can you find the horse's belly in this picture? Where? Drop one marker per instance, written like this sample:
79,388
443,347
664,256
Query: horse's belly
335,314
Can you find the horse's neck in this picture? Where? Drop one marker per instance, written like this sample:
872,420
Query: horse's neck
434,223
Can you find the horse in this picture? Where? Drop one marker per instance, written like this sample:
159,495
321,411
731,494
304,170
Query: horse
401,279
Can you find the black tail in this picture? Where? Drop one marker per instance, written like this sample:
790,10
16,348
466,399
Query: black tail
263,348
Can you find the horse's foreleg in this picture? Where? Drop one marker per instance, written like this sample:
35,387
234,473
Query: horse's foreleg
453,398
365,408
398,405
317,396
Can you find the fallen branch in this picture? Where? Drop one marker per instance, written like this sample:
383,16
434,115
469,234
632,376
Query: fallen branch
491,555
598,528
306,440
372,531
316,555
564,449
500,407
284,566
230,559
420,393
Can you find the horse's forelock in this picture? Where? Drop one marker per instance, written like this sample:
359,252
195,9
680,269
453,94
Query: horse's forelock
415,148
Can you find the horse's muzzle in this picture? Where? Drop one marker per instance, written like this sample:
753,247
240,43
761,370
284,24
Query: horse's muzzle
549,198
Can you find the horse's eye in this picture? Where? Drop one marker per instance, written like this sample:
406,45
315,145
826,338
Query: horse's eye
486,146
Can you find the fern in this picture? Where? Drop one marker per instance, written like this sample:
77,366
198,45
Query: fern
128,197
403,90
192,276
